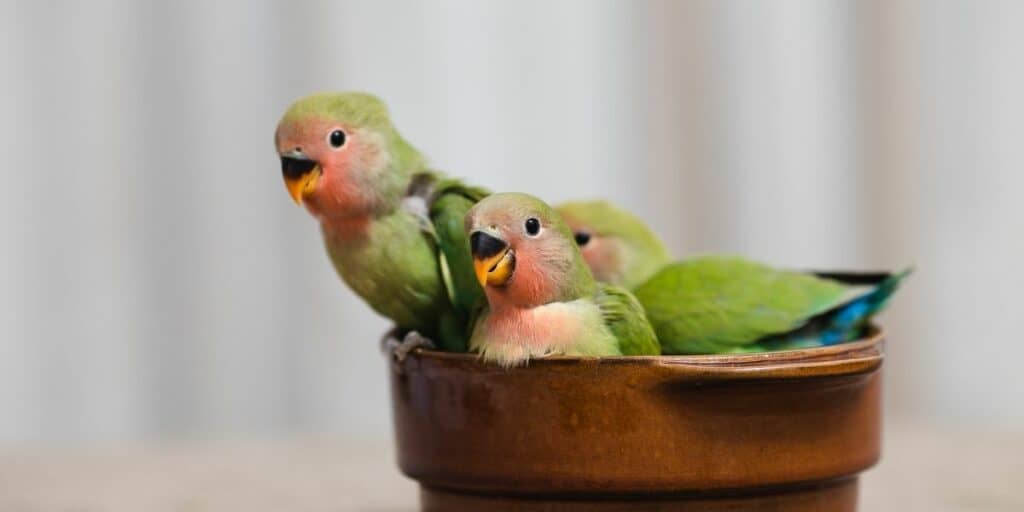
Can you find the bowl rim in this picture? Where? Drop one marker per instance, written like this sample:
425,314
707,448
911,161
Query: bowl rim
853,357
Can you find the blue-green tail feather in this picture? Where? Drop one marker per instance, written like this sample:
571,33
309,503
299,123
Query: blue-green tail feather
844,323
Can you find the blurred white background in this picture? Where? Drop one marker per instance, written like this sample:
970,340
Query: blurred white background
158,283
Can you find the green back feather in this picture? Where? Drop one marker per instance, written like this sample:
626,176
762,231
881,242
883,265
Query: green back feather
717,304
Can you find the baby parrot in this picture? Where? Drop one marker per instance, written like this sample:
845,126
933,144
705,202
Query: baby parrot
392,226
721,304
619,248
541,297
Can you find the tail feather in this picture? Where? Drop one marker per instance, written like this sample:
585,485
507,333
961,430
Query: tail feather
845,322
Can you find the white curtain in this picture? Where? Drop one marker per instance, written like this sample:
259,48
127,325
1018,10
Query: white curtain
158,282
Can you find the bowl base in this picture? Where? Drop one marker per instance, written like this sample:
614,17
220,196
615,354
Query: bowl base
837,496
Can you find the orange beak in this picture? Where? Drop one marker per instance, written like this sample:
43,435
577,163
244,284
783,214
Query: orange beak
301,176
493,260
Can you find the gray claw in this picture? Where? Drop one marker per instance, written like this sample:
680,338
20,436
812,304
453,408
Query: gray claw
389,340
412,341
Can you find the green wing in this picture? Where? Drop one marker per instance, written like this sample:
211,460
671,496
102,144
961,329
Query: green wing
626,320
441,204
450,200
721,304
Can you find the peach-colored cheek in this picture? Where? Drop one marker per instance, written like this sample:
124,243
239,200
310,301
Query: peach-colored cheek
361,152
336,163
601,259
590,256
336,181
530,284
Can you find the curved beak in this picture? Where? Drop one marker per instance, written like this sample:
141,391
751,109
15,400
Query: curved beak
301,174
493,260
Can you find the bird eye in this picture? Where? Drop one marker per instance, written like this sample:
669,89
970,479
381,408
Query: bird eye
336,139
532,226
582,238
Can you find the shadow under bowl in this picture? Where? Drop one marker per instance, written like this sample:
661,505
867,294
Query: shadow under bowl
786,431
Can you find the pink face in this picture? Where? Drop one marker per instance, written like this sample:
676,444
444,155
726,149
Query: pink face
603,255
345,159
540,253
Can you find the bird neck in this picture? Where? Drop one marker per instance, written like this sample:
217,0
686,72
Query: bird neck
533,290
346,229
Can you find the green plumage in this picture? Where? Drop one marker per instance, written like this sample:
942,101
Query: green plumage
720,304
416,272
625,318
393,266
551,304
450,201
358,109
717,304
392,226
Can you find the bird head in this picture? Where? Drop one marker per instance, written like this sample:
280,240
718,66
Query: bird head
340,155
523,253
617,246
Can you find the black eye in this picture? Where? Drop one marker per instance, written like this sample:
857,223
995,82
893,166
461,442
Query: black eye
337,138
582,238
532,226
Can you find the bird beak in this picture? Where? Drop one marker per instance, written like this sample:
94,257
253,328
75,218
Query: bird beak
493,260
301,174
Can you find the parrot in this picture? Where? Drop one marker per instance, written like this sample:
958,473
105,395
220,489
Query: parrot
716,304
392,226
541,298
617,245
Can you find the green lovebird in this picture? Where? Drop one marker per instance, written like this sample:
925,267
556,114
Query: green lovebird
619,247
393,227
723,304
541,297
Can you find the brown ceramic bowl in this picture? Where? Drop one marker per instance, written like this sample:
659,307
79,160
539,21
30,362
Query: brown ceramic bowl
777,431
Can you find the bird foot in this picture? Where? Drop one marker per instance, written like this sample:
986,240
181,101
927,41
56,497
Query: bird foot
390,339
412,340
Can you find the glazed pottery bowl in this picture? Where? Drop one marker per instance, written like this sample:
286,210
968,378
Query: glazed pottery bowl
775,431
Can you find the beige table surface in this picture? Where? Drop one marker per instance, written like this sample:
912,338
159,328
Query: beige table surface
922,469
